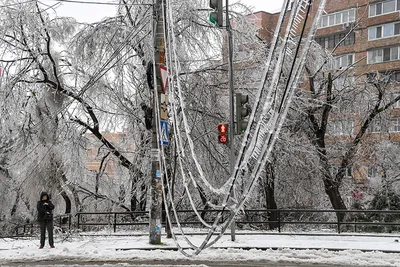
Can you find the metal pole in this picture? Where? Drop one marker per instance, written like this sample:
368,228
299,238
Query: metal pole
156,187
115,222
231,107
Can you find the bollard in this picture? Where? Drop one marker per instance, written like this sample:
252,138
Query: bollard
279,221
115,222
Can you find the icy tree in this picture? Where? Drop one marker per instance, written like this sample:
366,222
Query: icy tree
55,89
68,86
336,126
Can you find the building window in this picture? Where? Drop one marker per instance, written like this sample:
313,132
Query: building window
375,126
393,97
373,172
344,61
337,18
384,7
383,55
395,125
395,77
335,169
344,127
384,31
391,77
332,41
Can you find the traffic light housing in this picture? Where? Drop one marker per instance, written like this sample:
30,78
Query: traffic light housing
216,16
223,133
242,111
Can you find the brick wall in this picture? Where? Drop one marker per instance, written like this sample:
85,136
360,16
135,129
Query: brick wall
94,155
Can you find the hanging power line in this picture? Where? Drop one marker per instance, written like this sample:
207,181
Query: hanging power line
98,3
76,2
267,127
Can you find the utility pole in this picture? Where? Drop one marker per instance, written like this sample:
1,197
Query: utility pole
216,17
231,107
156,186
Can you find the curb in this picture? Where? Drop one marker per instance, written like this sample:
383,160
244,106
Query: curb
264,249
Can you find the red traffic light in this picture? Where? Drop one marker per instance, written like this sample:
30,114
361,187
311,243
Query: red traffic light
222,128
222,139
223,133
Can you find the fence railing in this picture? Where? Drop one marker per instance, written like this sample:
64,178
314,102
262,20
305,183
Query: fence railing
111,219
61,221
354,220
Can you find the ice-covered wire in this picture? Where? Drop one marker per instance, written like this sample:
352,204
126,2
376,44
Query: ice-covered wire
277,120
211,232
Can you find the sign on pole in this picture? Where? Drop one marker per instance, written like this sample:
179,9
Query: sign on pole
164,77
164,107
164,133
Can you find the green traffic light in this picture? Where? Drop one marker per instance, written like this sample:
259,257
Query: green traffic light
212,20
216,17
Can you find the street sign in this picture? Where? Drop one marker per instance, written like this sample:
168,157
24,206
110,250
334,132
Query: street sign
155,153
164,133
164,77
164,107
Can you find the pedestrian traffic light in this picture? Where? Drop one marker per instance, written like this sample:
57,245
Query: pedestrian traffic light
216,16
223,133
242,112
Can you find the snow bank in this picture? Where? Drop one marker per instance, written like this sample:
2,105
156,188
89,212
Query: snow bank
118,248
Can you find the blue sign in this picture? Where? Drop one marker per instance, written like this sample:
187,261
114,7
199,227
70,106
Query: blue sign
164,133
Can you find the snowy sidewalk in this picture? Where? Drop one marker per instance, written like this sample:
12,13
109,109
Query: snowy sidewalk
349,250
342,242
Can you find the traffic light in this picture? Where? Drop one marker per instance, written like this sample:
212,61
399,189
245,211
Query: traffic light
223,133
242,112
216,16
148,116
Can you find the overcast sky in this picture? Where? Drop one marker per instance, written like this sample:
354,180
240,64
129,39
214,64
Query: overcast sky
95,12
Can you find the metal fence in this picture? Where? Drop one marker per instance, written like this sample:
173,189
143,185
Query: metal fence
62,221
354,220
263,219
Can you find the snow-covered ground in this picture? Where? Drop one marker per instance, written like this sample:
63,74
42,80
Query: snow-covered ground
127,248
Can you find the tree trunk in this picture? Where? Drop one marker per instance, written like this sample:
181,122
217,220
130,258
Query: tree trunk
143,197
336,200
68,205
164,211
168,229
78,204
204,200
318,139
133,201
164,219
15,206
269,190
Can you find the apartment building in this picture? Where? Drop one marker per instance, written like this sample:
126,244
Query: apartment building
99,158
365,36
375,42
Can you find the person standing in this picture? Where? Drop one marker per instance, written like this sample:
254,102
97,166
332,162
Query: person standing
45,219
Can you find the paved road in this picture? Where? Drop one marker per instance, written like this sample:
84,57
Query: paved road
166,264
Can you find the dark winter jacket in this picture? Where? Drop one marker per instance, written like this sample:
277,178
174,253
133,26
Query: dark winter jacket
45,208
